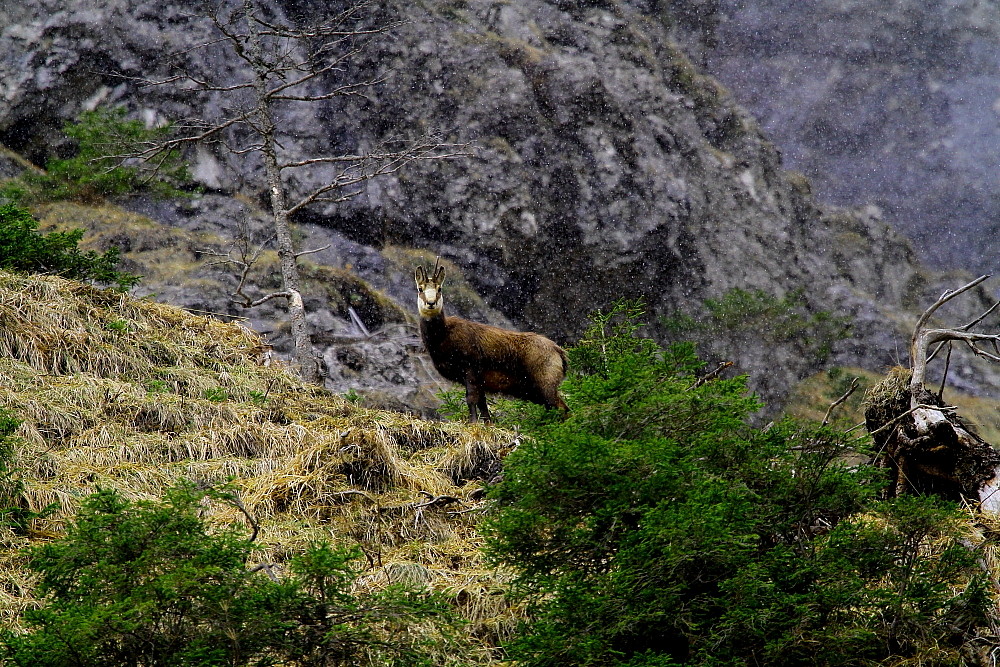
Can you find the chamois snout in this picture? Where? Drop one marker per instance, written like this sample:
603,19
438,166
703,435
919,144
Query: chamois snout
429,301
486,358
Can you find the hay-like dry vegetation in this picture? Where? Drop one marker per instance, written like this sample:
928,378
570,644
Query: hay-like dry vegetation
134,395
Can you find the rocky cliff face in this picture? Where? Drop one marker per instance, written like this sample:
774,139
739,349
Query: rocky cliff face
896,103
605,165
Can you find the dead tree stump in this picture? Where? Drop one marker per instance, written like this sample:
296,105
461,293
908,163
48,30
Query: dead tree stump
927,450
919,439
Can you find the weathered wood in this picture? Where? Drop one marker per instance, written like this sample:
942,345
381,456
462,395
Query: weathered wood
921,441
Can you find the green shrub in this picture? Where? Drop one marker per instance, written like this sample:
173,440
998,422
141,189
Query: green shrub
13,512
98,169
151,584
656,527
22,248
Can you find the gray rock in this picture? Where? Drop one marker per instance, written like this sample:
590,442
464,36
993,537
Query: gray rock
895,104
606,165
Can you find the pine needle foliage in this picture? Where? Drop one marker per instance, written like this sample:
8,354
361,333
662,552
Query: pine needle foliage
23,248
147,583
655,526
99,167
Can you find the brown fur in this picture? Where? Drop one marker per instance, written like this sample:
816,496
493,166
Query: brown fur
485,358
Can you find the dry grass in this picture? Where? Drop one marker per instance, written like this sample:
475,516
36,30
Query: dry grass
814,395
134,395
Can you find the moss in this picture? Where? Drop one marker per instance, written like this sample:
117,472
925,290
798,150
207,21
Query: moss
914,290
799,182
811,398
342,290
514,52
501,146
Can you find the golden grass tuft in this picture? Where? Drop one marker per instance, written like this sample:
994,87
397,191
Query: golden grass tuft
889,397
133,395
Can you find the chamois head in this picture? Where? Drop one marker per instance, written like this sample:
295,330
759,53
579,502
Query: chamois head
429,300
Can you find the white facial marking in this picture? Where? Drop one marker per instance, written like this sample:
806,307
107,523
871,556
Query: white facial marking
429,300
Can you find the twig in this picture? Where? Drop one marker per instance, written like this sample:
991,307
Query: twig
314,250
854,386
358,322
212,312
855,427
711,376
267,567
436,500
923,338
947,365
943,299
238,504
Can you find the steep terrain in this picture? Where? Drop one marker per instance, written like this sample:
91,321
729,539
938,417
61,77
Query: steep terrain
133,395
605,165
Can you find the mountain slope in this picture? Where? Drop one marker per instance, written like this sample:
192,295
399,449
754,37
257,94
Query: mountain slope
133,395
606,165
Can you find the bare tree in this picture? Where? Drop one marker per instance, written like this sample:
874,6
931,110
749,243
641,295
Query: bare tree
919,438
288,64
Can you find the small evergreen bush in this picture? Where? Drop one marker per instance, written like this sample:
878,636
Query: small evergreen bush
98,168
151,584
23,248
656,527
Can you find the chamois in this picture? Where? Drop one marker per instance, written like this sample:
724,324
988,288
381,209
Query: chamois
485,358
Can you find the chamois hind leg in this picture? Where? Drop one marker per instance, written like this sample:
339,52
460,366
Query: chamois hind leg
554,401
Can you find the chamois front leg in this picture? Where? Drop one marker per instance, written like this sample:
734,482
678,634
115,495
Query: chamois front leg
484,409
475,397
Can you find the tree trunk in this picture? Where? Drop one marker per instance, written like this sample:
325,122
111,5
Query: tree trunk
305,358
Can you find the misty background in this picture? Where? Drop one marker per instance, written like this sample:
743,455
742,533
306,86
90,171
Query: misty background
892,103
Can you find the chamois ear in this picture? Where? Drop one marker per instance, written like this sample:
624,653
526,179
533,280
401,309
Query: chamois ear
420,276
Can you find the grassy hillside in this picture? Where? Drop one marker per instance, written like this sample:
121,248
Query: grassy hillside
134,395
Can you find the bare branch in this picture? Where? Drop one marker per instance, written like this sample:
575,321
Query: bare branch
370,166
268,568
314,250
947,365
244,254
237,502
347,90
943,299
284,294
847,394
923,338
357,322
710,376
